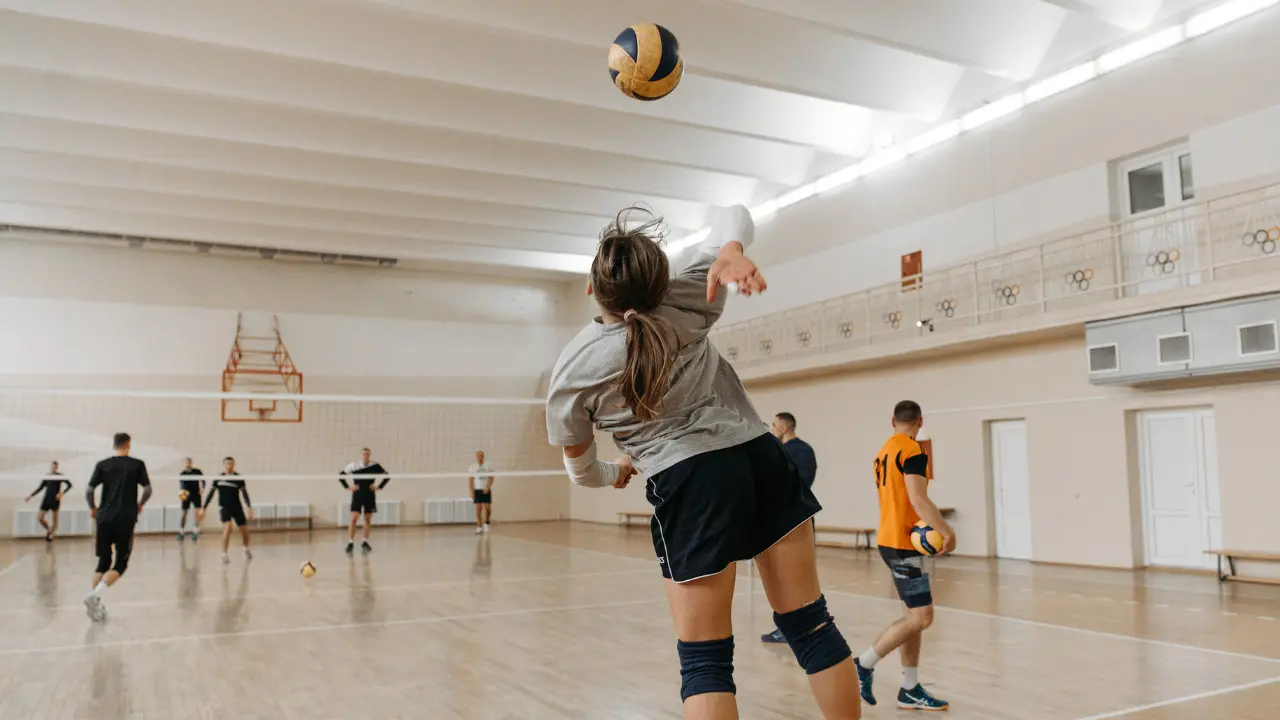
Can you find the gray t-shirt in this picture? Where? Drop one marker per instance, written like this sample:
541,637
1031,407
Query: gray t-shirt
706,408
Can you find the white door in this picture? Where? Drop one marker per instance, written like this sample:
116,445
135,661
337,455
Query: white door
1180,487
1011,478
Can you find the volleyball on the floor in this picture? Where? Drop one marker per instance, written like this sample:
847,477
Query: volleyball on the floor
645,62
308,570
183,496
925,539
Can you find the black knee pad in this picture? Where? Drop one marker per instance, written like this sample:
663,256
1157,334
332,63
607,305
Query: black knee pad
706,667
811,632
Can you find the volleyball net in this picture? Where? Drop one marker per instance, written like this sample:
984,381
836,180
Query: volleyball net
417,438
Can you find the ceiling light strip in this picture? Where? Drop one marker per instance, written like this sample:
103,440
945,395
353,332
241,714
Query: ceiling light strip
1205,22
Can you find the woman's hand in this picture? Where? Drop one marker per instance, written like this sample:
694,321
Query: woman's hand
625,471
734,267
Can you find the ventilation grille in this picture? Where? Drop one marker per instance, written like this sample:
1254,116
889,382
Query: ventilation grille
1258,339
1104,358
1173,349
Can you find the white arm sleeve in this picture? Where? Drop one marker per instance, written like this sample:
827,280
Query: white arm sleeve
587,471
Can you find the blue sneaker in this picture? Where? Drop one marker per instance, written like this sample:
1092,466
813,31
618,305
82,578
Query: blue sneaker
917,698
773,637
864,682
181,537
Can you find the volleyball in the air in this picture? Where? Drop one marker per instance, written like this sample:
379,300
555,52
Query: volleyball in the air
645,62
308,570
925,539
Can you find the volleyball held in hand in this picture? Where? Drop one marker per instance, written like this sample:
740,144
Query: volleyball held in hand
925,539
645,62
183,495
308,570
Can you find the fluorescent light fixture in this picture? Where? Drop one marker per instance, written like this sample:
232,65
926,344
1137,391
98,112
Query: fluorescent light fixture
1224,14
764,210
882,160
827,183
940,134
688,241
1135,51
992,111
1065,80
804,192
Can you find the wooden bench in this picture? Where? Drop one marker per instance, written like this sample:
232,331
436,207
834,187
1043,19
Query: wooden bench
864,535
625,518
1232,555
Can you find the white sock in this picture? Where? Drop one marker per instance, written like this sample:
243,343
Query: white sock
100,588
910,678
869,658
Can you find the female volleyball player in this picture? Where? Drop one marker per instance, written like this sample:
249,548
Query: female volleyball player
721,486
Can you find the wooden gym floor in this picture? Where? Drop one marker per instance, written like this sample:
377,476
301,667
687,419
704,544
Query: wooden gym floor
568,620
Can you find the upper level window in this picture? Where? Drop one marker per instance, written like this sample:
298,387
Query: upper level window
1157,181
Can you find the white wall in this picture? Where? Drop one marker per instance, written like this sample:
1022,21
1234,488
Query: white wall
1039,174
84,310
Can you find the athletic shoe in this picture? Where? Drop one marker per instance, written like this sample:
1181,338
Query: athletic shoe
181,536
48,537
773,637
917,698
248,555
479,529
94,608
366,548
865,676
225,560
486,527
351,547
195,536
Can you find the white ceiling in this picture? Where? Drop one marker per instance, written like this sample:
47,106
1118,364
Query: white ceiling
471,134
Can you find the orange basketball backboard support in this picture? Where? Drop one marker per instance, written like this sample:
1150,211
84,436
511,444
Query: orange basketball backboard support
912,270
261,364
926,446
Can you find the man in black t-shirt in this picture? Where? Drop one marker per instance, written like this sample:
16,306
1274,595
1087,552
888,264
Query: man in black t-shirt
120,476
230,510
53,486
189,492
363,495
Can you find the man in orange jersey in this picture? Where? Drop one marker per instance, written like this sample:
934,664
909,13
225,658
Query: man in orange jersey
901,467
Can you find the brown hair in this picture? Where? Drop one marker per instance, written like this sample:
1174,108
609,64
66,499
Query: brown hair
630,272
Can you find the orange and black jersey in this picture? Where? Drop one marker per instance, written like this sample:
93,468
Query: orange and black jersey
901,456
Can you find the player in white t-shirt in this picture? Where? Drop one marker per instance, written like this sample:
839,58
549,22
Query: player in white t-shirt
482,491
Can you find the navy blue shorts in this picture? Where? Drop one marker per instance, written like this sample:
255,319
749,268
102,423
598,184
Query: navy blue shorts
909,576
726,505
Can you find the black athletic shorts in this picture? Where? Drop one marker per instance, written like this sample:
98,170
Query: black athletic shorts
192,501
484,497
117,537
909,576
50,504
364,501
233,514
723,506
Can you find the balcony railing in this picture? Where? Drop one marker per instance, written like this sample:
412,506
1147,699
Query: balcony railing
1212,241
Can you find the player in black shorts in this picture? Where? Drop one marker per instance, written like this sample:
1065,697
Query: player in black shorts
53,486
229,508
189,492
364,499
120,476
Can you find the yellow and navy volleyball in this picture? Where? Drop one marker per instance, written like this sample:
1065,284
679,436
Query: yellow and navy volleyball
925,539
645,62
308,570
183,496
